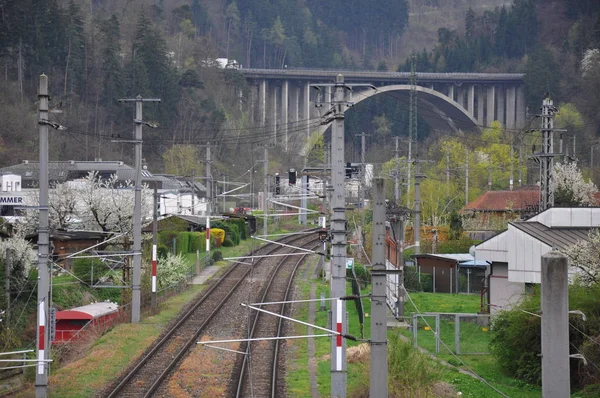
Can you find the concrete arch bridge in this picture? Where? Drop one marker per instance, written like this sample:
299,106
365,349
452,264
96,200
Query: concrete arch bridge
283,101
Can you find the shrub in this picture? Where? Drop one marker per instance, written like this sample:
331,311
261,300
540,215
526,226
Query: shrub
411,280
162,250
166,237
183,242
362,274
516,341
219,235
172,270
228,243
217,256
197,241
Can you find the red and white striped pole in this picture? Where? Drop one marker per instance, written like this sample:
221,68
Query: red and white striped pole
207,234
42,339
338,344
154,269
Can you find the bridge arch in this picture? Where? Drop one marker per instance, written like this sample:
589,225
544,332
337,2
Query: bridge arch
440,112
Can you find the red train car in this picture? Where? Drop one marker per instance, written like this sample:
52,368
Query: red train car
74,323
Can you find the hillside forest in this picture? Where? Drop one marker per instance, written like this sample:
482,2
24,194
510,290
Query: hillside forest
95,52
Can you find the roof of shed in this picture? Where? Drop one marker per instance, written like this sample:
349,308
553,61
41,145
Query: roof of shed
557,237
90,311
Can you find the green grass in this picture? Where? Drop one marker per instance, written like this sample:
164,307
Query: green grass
422,367
113,352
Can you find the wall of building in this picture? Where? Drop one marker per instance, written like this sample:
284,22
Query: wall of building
503,293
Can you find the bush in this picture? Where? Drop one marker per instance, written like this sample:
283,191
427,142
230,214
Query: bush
217,256
197,241
362,274
162,250
172,270
411,280
228,243
166,237
516,341
219,235
183,243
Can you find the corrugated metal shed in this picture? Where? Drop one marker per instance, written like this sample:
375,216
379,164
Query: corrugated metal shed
557,238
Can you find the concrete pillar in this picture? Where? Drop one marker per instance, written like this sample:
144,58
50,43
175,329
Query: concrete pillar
262,102
253,103
451,91
490,105
521,107
480,105
471,99
500,105
284,112
306,108
461,96
555,326
272,118
511,102
294,106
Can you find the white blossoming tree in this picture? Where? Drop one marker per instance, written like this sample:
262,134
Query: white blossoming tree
570,188
585,257
92,204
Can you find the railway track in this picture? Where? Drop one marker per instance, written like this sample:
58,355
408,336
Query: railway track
151,373
258,372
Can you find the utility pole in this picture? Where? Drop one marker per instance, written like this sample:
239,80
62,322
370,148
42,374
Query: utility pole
193,186
154,245
136,299
510,183
338,242
209,180
43,332
338,233
396,174
467,177
265,191
412,128
547,155
447,172
396,215
418,178
363,183
379,367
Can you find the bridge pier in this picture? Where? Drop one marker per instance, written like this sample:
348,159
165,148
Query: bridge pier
262,103
480,105
285,86
511,102
451,91
471,99
500,108
491,105
521,107
273,102
306,108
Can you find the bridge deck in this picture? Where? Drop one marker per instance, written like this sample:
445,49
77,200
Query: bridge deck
374,76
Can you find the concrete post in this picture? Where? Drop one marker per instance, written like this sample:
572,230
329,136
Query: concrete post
338,242
303,218
451,91
295,107
555,326
136,299
43,332
379,367
154,246
511,102
471,99
266,192
521,107
273,113
461,96
306,108
284,112
491,105
480,104
500,105
417,235
262,102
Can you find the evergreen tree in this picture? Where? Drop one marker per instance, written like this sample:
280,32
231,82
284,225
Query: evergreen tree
74,73
112,79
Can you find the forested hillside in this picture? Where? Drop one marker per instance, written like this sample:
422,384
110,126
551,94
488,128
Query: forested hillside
96,52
